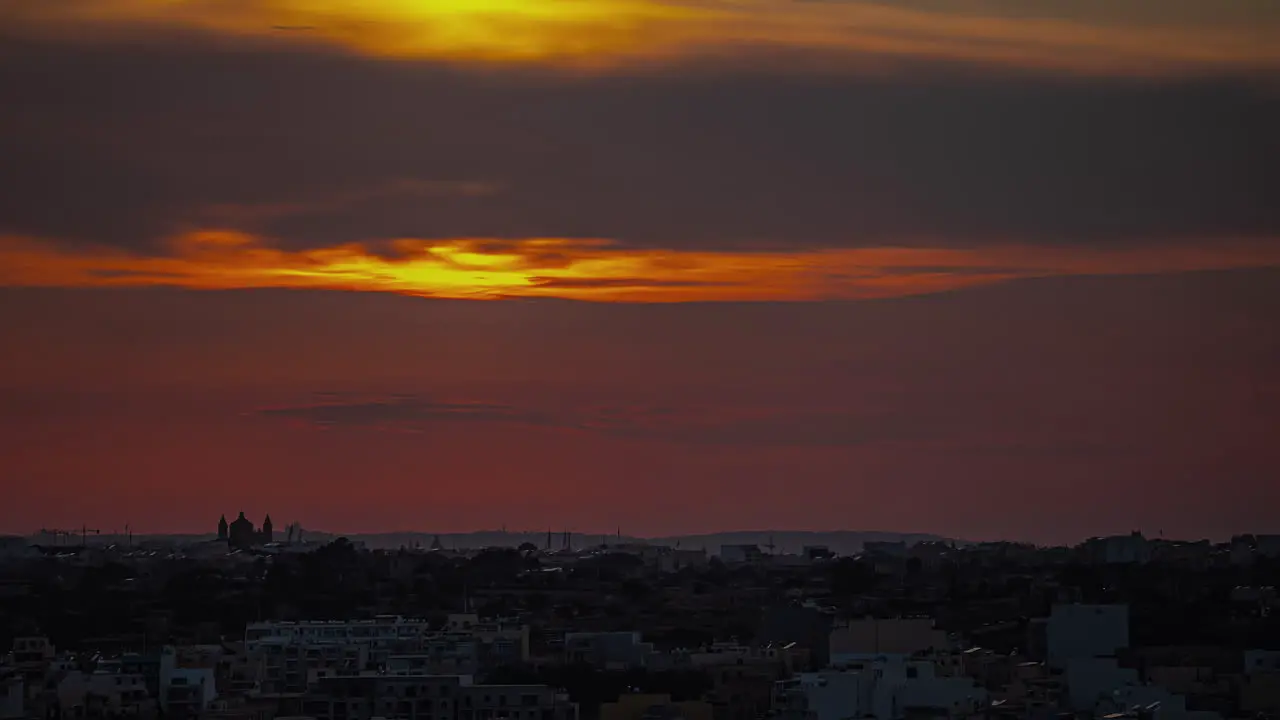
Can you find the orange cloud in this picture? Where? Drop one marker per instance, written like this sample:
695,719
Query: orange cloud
598,34
589,269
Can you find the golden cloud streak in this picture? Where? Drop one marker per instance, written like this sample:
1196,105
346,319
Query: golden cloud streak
598,34
588,269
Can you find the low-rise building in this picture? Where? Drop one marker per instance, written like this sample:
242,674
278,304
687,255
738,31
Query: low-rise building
515,702
637,706
1119,549
885,636
607,650
81,694
1259,692
737,554
1154,700
188,692
13,698
31,655
886,548
1261,661
1091,681
1268,545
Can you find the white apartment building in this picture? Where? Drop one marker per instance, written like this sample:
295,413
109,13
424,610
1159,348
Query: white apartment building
1085,631
79,694
294,653
383,630
290,667
884,690
366,695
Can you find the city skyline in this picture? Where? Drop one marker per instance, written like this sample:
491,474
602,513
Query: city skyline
782,539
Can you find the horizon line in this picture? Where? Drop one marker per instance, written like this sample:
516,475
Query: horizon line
669,536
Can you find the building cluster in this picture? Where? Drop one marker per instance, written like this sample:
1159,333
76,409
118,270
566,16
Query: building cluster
876,669
1115,628
385,667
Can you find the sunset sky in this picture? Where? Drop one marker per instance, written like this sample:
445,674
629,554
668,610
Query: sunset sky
983,268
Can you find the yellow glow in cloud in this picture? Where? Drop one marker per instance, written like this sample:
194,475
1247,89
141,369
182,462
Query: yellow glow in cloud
608,33
583,32
583,269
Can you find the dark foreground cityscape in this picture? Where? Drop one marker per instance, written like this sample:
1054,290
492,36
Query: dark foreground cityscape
262,624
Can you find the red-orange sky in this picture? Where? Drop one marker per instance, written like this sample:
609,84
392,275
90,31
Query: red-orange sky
665,266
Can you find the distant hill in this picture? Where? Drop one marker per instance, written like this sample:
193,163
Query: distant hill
844,542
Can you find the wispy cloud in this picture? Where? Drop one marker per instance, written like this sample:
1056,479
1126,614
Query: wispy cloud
402,412
719,426
608,33
345,200
592,269
942,426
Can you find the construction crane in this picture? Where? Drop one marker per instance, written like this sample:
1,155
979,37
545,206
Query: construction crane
84,532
